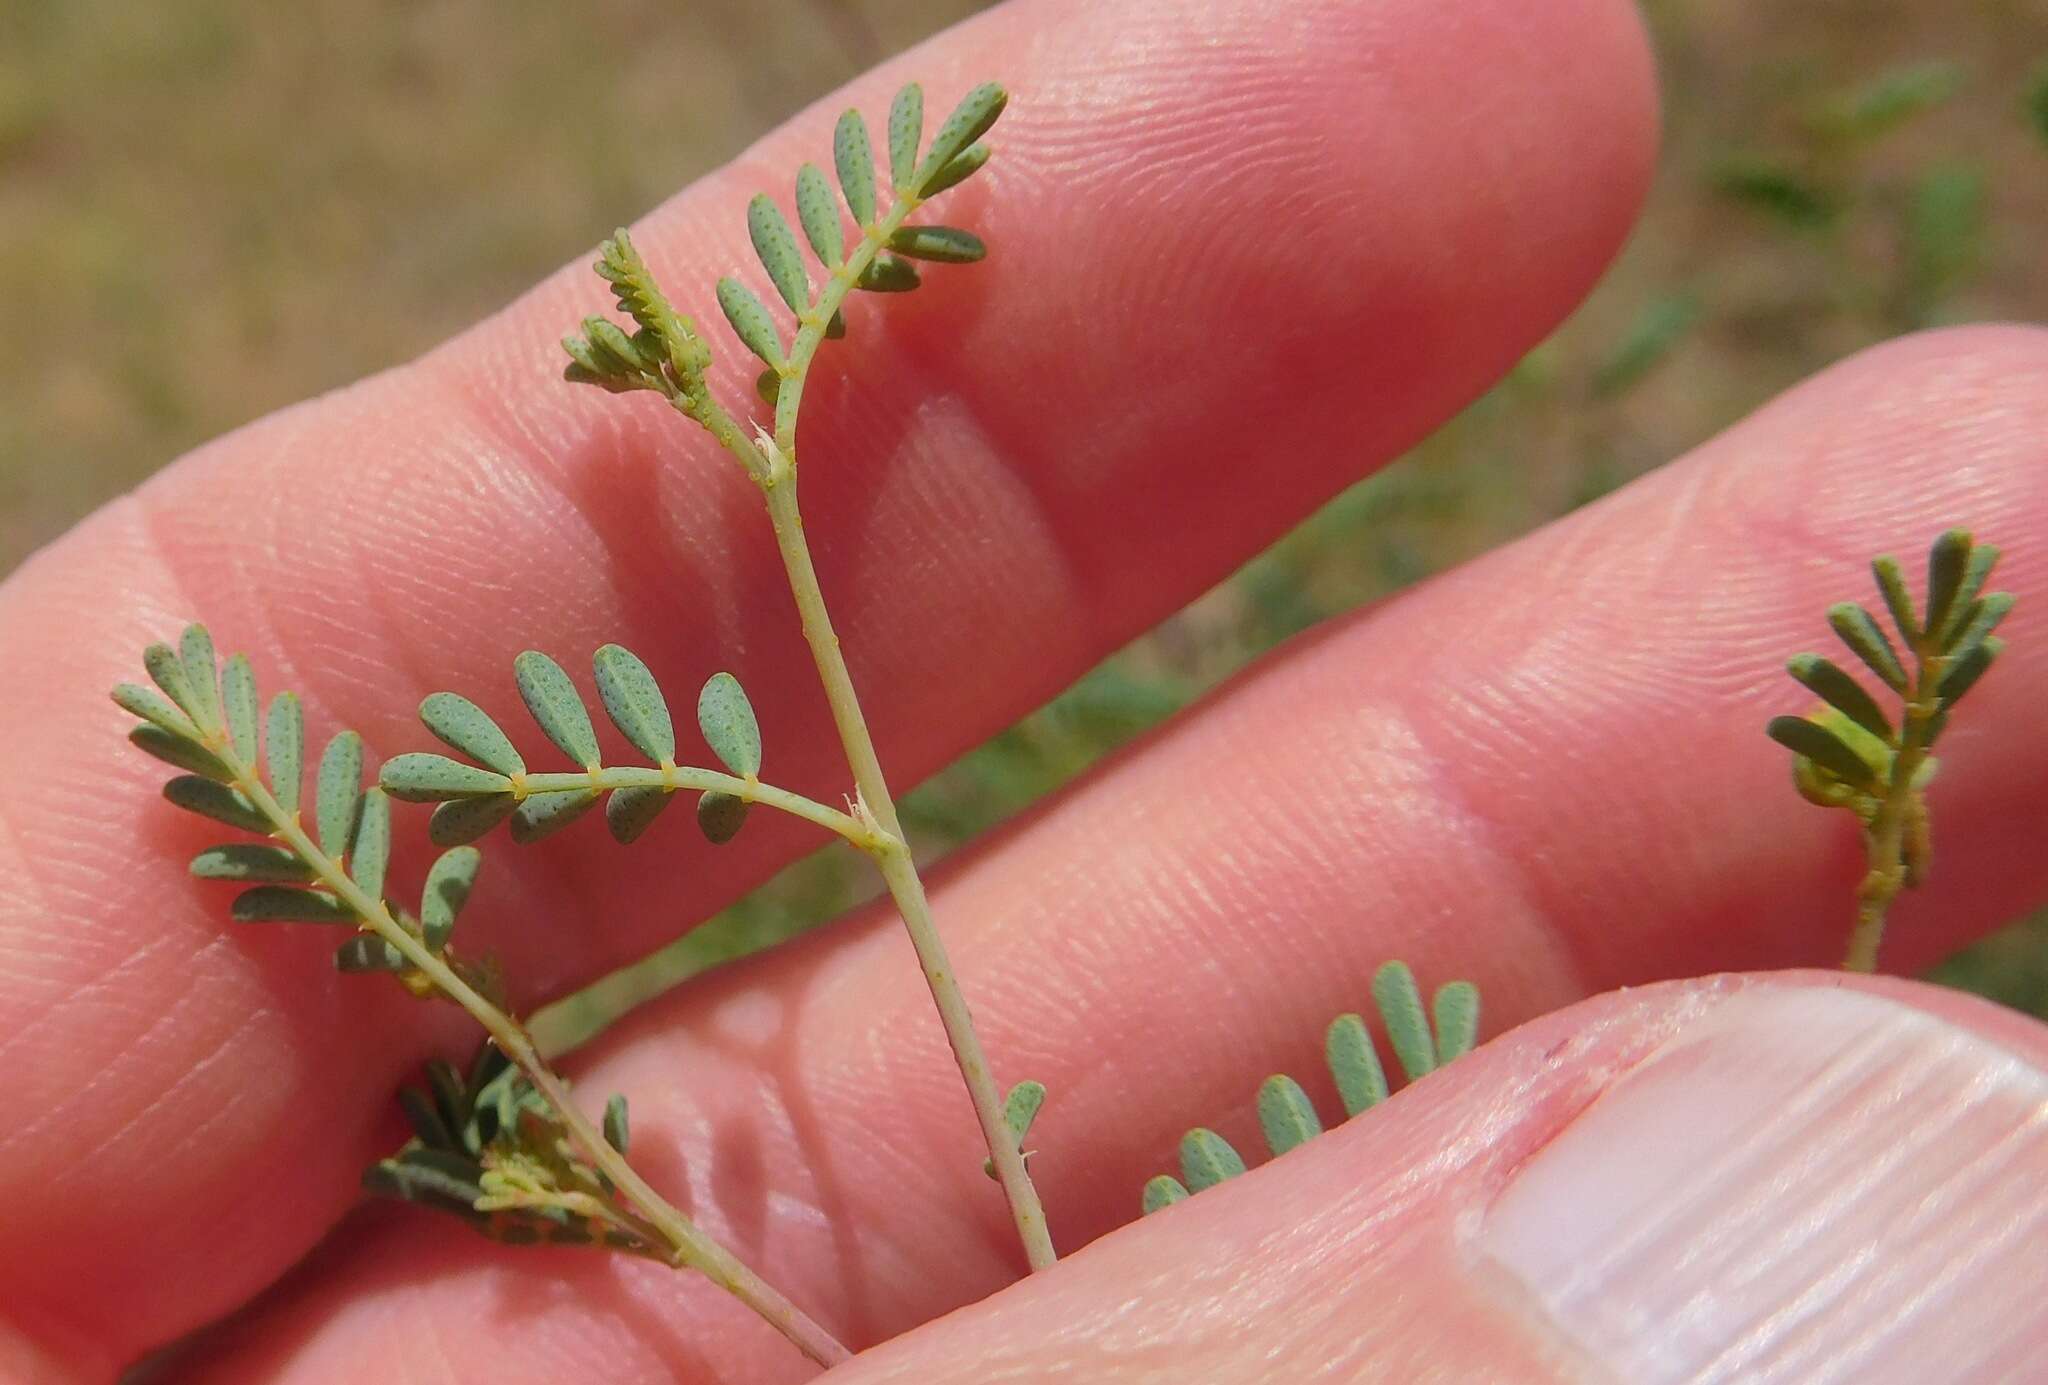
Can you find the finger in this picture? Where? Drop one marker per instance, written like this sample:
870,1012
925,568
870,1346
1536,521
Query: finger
1156,941
372,546
1792,1177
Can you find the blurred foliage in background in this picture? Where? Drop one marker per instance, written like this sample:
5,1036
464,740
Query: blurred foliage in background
270,203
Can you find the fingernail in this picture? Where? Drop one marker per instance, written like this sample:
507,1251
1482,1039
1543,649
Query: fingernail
1805,1185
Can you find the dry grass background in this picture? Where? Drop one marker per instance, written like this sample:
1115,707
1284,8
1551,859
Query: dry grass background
242,204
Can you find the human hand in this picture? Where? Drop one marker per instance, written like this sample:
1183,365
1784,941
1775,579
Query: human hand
1544,771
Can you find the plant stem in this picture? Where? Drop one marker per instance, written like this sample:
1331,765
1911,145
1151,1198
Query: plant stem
771,463
892,855
699,780
1886,838
690,1247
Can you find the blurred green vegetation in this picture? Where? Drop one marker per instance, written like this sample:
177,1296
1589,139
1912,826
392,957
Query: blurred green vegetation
267,204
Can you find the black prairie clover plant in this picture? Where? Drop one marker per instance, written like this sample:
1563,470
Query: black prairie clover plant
501,1144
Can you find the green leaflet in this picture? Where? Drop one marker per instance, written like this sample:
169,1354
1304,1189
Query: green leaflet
1163,1191
750,321
1835,687
368,952
1963,674
776,245
1400,1005
153,708
906,124
284,750
887,274
1285,1115
959,171
1981,619
1891,583
425,1121
727,720
446,891
283,904
370,854
1947,562
969,121
337,791
180,753
1457,1019
1866,639
818,213
462,820
1355,1063
634,702
556,706
422,777
250,861
1021,1106
1207,1159
720,816
1820,745
630,812
167,671
216,801
462,725
854,160
616,1132
238,707
544,814
202,676
941,244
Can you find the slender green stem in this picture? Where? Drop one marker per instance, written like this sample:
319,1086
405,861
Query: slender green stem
690,1247
1886,839
701,780
771,462
900,872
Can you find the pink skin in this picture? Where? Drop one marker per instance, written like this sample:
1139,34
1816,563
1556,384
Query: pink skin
1457,777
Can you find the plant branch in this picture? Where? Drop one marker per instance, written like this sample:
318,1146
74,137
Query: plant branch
892,855
1886,839
690,1247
